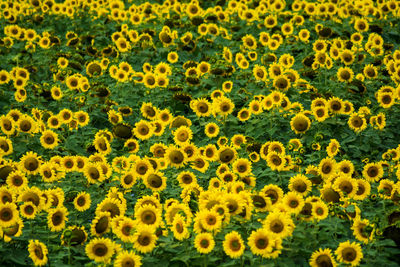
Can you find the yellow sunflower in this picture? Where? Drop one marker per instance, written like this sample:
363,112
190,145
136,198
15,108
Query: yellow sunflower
261,242
322,257
38,252
349,253
127,258
82,201
300,123
56,218
204,243
8,214
144,240
233,245
100,249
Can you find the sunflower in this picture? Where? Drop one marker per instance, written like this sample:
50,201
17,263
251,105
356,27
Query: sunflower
362,230
30,163
100,224
223,106
281,83
202,107
345,74
357,122
345,186
155,180
333,148
327,167
124,229
385,100
49,139
273,192
26,124
293,202
204,243
242,167
16,180
275,161
175,157
144,240
182,135
300,184
179,228
361,25
349,253
300,123
82,118
255,107
143,130
244,114
82,201
372,172
149,215
211,130
8,214
6,146
112,205
279,224
7,125
128,179
93,173
322,257
261,242
56,218
319,210
100,249
233,245
37,252
127,258
53,122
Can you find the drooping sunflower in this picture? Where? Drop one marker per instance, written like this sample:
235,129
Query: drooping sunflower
204,243
300,123
100,224
38,252
82,201
56,218
233,245
322,257
127,258
349,253
100,249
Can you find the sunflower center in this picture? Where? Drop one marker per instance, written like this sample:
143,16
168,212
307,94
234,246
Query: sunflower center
57,218
211,221
176,157
204,243
31,164
29,210
346,187
6,214
179,228
128,263
261,243
100,250
81,201
349,254
293,203
324,261
144,240
126,230
372,172
39,253
148,217
300,186
235,245
276,226
155,180
102,225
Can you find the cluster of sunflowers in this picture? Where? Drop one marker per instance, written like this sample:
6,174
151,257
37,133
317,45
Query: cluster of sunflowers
201,133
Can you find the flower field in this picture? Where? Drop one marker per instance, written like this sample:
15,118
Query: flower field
203,133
